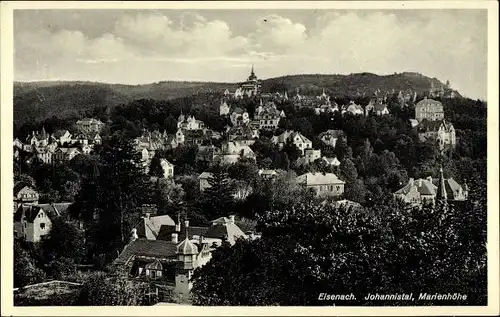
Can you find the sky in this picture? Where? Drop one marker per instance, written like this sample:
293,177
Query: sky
145,46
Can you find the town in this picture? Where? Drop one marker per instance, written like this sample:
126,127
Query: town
178,197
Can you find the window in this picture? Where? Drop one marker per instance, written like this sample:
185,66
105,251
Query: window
153,273
42,225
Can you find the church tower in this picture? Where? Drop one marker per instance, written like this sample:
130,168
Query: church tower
441,194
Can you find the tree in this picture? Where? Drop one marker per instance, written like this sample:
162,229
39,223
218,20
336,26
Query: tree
25,271
385,249
65,240
218,199
113,289
348,171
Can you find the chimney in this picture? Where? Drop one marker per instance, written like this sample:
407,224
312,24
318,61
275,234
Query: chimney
429,178
175,237
231,219
201,240
411,181
419,182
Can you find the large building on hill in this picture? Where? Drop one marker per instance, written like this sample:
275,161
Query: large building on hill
251,87
89,125
429,109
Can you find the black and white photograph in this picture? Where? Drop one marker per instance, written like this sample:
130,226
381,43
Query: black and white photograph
286,155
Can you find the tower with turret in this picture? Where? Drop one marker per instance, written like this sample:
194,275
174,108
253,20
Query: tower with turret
187,253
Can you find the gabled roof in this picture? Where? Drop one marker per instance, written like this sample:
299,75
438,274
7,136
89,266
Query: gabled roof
31,212
424,187
55,208
158,249
149,228
310,179
427,101
229,231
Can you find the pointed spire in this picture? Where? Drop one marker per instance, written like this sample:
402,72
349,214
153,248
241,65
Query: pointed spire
441,190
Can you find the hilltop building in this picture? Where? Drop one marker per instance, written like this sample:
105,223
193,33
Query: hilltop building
429,109
89,125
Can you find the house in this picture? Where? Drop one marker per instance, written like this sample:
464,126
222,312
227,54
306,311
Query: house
442,132
207,153
32,223
62,137
239,116
244,134
167,167
301,142
377,107
65,154
89,125
429,109
268,115
324,105
310,155
330,137
325,184
204,180
419,191
189,123
331,161
223,108
353,108
164,262
346,204
44,154
37,139
232,151
25,194
267,173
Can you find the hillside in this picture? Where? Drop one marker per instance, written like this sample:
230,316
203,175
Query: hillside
36,101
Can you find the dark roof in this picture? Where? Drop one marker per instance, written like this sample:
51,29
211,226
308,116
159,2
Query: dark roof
55,208
165,233
31,212
229,231
158,249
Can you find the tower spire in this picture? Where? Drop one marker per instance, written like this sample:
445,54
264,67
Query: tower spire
441,190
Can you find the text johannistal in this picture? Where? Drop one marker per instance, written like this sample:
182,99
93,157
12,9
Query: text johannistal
395,297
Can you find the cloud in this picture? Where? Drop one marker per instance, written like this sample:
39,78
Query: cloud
278,34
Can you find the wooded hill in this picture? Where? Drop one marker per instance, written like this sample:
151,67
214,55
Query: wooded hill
36,101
